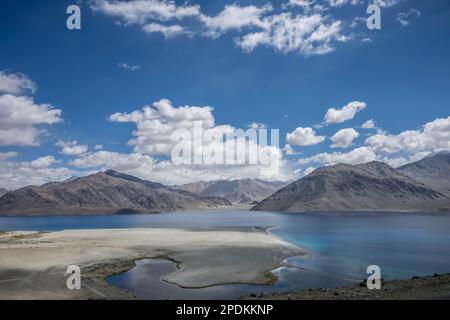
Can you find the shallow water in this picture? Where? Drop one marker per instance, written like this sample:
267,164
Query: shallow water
341,245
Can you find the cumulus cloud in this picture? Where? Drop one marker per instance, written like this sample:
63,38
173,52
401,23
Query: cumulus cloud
235,17
347,112
340,3
167,172
20,120
156,123
344,138
18,174
304,4
141,11
133,163
306,34
355,156
304,137
154,136
369,124
71,148
434,135
15,83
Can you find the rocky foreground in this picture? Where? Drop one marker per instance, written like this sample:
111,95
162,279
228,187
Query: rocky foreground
417,288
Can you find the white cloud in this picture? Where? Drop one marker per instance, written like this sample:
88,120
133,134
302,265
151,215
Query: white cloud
348,112
7,155
128,67
386,3
304,4
288,150
167,31
43,162
168,173
15,83
432,136
340,3
156,123
344,138
369,124
20,118
235,17
355,156
309,170
404,18
306,34
356,21
71,148
15,175
133,163
304,137
141,11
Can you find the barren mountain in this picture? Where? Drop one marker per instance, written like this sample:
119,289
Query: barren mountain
244,191
433,171
373,186
3,191
102,193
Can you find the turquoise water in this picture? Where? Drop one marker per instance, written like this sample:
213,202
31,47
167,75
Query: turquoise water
341,245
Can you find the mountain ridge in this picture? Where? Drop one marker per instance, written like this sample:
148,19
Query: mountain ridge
433,171
372,186
237,191
105,192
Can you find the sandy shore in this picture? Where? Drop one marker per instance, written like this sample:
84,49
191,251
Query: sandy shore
33,265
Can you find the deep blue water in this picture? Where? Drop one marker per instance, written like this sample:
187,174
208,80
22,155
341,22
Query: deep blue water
341,245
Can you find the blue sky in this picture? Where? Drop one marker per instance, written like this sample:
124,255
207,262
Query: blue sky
399,75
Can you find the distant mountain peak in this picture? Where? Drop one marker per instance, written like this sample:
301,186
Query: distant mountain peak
238,191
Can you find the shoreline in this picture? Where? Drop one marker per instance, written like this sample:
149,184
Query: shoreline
33,264
432,287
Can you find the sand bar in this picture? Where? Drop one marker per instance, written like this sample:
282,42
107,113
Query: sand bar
33,264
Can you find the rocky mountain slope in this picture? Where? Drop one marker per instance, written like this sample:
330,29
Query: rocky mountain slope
102,193
373,186
3,191
433,171
244,191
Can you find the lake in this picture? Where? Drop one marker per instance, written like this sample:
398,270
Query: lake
341,246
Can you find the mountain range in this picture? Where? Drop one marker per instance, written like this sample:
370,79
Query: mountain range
243,191
373,186
102,193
